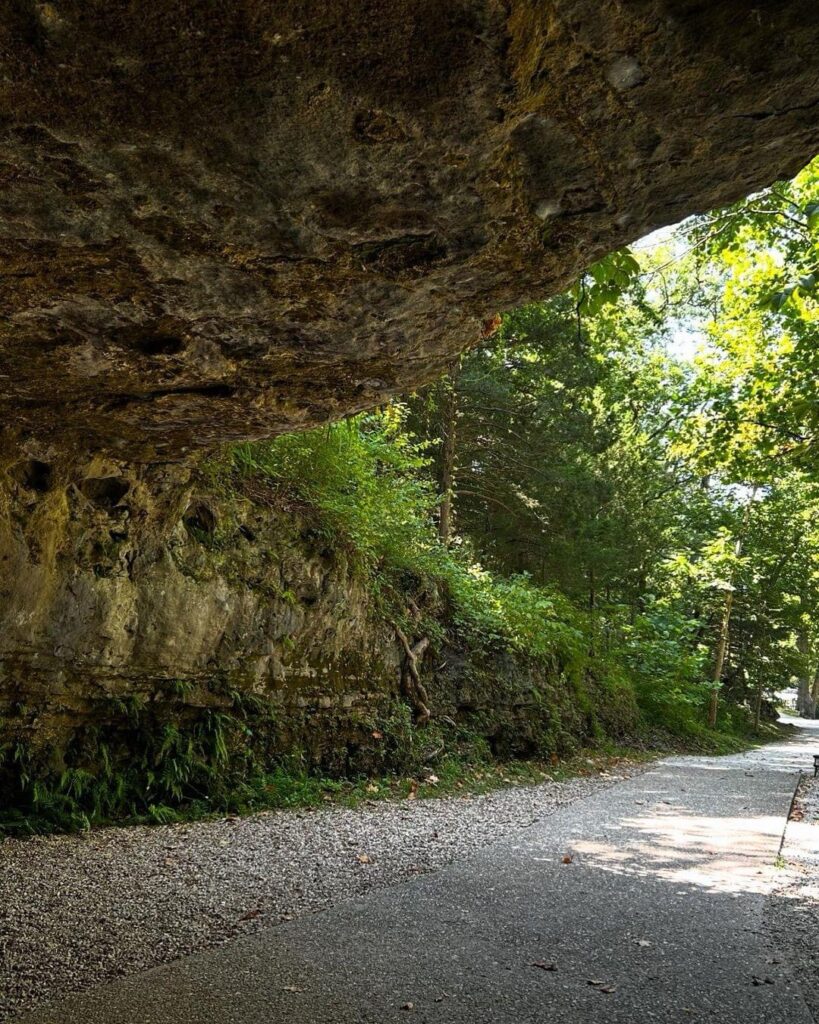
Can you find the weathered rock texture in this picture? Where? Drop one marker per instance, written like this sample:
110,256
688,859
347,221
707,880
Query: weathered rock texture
137,598
220,220
129,584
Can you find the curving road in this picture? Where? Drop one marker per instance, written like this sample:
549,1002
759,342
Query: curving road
640,903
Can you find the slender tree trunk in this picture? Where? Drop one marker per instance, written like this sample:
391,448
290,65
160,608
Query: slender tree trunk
758,702
725,625
804,698
807,695
638,604
719,661
592,612
805,706
449,418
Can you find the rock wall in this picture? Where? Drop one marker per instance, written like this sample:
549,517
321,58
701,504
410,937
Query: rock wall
134,597
124,581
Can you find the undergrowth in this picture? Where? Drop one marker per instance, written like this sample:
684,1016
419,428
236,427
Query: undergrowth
79,800
152,773
365,480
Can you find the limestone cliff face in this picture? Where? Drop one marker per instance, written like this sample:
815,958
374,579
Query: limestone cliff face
132,583
134,597
221,220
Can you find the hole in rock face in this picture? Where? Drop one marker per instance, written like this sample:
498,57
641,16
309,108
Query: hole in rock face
33,474
154,338
215,391
159,344
199,519
105,491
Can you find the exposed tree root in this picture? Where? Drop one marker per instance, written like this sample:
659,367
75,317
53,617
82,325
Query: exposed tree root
411,685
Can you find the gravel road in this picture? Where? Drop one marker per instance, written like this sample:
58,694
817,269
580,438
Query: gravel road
76,911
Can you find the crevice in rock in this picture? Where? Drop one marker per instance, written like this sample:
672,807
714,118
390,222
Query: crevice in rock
160,345
105,492
34,475
200,520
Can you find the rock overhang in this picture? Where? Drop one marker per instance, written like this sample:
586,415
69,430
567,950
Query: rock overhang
219,222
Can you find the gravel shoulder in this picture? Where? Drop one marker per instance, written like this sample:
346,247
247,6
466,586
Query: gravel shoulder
792,913
76,911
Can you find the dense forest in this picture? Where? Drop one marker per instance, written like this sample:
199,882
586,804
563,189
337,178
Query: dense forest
623,476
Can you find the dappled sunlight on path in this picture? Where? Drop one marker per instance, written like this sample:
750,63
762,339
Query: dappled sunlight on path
727,850
723,854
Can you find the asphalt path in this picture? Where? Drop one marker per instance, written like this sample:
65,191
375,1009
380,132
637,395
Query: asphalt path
640,903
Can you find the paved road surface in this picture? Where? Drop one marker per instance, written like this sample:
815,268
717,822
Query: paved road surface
657,917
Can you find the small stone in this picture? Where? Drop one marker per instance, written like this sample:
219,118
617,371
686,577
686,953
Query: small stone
547,208
624,73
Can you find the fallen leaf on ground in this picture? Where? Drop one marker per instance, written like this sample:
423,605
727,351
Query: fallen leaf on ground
567,859
364,858
608,989
377,734
593,981
544,965
292,988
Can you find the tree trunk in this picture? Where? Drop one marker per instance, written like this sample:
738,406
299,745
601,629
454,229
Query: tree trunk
592,613
449,416
725,626
807,695
758,702
805,701
804,698
722,647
